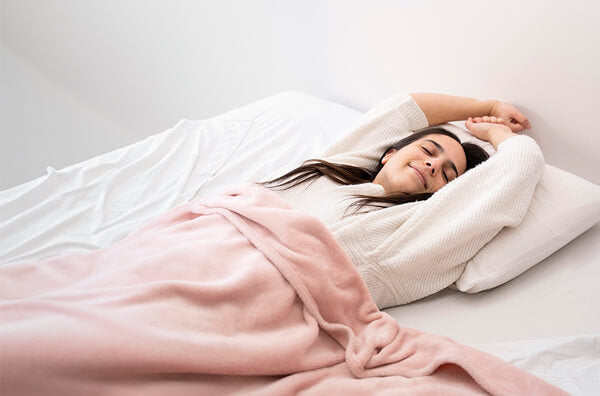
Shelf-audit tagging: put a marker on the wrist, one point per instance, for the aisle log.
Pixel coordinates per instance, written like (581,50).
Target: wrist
(490,106)
(498,134)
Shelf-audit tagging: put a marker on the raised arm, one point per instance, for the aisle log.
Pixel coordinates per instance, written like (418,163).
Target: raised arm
(442,108)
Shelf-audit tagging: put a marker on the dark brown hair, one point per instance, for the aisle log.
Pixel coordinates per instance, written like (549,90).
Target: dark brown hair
(349,174)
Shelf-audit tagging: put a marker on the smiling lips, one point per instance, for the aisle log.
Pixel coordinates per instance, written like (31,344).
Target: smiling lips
(418,172)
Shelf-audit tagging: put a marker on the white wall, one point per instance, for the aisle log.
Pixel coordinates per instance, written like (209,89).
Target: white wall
(42,124)
(83,77)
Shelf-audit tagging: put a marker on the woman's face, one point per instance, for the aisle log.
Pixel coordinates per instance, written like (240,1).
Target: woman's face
(423,166)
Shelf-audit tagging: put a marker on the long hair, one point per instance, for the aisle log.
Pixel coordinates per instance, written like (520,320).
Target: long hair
(349,174)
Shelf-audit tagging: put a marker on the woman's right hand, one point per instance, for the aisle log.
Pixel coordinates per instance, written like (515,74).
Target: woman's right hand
(491,129)
(511,116)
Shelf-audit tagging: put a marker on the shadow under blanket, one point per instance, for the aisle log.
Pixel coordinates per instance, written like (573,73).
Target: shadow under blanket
(234,293)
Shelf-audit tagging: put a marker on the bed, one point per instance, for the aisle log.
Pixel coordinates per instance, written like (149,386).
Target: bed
(546,321)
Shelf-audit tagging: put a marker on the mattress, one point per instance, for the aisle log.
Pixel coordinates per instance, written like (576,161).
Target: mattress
(546,321)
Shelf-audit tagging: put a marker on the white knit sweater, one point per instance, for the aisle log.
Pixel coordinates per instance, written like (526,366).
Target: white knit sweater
(407,252)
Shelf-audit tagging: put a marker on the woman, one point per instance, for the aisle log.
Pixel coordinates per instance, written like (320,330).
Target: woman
(237,294)
(407,242)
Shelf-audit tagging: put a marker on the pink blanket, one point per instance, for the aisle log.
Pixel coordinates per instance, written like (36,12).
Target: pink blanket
(231,294)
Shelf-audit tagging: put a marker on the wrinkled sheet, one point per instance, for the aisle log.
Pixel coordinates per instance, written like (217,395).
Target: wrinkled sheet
(92,204)
(97,202)
(571,363)
(235,293)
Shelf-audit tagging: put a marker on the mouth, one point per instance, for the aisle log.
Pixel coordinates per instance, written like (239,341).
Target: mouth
(418,172)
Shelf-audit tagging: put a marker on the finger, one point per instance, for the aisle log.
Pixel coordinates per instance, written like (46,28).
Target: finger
(516,127)
(470,121)
(521,119)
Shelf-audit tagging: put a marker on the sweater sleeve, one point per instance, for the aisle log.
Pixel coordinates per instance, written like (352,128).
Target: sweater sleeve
(418,251)
(382,126)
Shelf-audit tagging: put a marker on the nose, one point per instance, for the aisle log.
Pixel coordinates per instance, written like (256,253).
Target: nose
(434,165)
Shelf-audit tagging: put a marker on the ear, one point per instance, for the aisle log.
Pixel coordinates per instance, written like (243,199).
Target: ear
(387,155)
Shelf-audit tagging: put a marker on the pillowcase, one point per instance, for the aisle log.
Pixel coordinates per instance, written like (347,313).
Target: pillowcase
(563,206)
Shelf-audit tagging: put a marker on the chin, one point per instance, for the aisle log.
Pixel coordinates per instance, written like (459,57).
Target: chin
(402,189)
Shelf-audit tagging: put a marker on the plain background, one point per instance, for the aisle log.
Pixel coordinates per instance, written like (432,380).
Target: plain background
(80,78)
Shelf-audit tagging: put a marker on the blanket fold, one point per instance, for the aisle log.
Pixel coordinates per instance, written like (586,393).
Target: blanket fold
(235,293)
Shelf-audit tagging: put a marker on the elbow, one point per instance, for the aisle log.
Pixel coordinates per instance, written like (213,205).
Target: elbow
(526,153)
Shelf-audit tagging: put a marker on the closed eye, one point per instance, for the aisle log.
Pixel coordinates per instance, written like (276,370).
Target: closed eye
(427,151)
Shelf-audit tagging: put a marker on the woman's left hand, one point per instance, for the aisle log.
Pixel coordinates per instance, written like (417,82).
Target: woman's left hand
(511,116)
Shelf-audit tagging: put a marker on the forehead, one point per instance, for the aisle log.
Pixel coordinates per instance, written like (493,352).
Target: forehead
(452,149)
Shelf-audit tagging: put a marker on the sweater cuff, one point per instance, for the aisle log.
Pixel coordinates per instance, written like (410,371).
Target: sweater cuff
(401,105)
(415,116)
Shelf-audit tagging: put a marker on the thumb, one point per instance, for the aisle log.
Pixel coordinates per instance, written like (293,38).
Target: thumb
(470,125)
(521,119)
(515,126)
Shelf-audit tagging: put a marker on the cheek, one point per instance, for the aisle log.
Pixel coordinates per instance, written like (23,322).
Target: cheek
(398,164)
(436,186)
(439,183)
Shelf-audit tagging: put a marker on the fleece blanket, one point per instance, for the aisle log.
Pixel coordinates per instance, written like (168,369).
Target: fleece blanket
(235,293)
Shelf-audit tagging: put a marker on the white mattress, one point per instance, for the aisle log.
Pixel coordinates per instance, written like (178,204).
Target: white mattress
(549,313)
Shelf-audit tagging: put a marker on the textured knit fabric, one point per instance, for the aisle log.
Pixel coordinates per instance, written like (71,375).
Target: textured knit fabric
(407,252)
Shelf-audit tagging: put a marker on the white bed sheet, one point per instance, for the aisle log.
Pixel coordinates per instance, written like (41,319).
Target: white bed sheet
(571,363)
(92,204)
(97,202)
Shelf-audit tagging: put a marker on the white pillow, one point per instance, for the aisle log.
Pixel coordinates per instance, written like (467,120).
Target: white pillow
(563,206)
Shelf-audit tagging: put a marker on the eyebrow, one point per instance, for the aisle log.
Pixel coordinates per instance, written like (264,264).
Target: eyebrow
(439,147)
